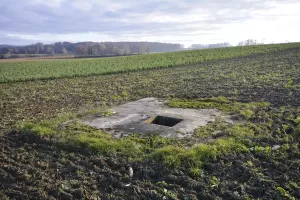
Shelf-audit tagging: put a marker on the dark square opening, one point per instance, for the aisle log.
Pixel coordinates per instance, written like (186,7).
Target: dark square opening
(166,121)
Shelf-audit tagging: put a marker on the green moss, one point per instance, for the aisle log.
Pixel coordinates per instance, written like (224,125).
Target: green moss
(249,163)
(175,157)
(221,103)
(268,151)
(211,129)
(289,84)
(218,102)
(170,152)
(226,146)
(297,121)
(89,112)
(37,129)
(105,144)
(295,185)
(108,113)
(283,193)
(240,131)
(171,156)
(195,172)
(50,127)
(297,131)
(259,149)
(247,114)
(214,181)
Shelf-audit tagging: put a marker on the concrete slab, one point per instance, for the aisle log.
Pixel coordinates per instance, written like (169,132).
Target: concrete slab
(137,117)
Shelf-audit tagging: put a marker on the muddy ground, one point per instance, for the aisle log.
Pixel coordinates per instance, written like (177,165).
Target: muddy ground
(37,168)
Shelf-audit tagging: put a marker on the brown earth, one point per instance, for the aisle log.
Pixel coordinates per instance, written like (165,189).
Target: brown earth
(36,58)
(36,168)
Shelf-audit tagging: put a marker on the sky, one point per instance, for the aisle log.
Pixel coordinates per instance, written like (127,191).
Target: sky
(173,21)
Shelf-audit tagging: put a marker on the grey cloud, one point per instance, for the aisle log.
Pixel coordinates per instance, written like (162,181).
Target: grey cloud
(4,39)
(21,17)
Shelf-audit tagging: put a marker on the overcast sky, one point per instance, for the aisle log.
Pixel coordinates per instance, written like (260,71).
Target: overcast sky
(177,21)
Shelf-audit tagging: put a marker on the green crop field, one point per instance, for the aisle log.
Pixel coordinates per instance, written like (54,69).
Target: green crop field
(256,157)
(49,69)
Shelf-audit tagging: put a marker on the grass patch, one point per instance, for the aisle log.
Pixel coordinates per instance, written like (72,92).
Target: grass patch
(171,152)
(103,143)
(240,131)
(221,103)
(247,114)
(213,129)
(238,138)
(297,121)
(220,128)
(175,157)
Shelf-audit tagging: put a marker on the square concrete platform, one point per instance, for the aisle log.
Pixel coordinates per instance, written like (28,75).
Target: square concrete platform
(152,116)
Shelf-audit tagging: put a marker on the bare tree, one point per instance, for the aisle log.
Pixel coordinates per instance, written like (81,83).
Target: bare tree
(116,51)
(16,52)
(90,50)
(81,50)
(148,50)
(126,49)
(9,52)
(142,48)
(248,42)
(39,47)
(121,52)
(95,49)
(50,50)
(64,51)
(102,49)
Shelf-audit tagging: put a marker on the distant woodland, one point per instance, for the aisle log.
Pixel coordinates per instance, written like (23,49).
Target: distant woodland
(86,49)
(103,49)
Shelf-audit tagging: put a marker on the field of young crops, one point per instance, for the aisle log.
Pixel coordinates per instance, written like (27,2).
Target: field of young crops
(49,69)
(257,157)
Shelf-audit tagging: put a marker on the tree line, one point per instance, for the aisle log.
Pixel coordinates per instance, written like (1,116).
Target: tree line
(87,49)
(102,49)
(209,46)
(247,42)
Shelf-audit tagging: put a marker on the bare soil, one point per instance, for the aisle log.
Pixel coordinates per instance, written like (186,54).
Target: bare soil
(35,168)
(36,58)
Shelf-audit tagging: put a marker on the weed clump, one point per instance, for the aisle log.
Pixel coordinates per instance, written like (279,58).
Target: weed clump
(208,103)
(222,103)
(240,131)
(297,121)
(284,194)
(247,114)
(103,143)
(154,148)
(175,157)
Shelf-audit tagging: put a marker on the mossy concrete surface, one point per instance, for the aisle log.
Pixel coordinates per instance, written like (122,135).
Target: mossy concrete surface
(137,117)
